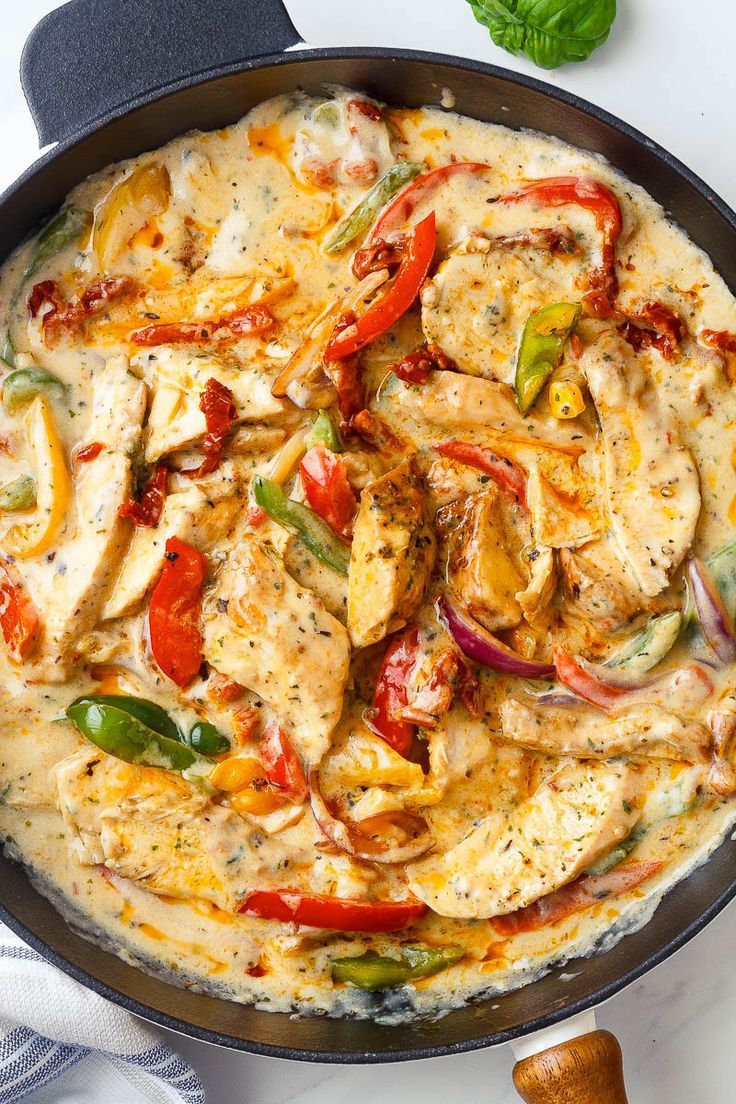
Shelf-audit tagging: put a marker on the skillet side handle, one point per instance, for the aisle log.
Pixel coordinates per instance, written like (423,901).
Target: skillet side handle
(585,1070)
(92,59)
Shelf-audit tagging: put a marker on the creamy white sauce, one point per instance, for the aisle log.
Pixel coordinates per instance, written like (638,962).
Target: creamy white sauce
(247,204)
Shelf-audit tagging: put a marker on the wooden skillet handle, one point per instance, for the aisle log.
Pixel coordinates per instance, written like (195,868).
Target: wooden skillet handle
(585,1070)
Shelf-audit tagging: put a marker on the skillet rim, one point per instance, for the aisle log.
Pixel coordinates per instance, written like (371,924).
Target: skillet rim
(666,949)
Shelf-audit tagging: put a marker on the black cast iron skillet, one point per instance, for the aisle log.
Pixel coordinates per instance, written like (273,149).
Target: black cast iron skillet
(107,79)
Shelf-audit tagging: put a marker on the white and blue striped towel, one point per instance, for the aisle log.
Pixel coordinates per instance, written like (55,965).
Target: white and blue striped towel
(62,1044)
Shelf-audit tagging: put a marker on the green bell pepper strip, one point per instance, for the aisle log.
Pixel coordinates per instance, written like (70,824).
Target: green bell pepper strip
(650,647)
(23,384)
(18,495)
(8,352)
(206,738)
(358,220)
(147,712)
(722,567)
(541,348)
(203,736)
(62,229)
(119,733)
(374,972)
(324,432)
(618,853)
(302,522)
(327,115)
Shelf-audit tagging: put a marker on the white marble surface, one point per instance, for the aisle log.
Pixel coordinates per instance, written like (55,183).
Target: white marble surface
(668,69)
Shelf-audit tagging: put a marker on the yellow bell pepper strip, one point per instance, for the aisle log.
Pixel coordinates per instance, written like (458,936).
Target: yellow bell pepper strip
(128,206)
(53,486)
(358,220)
(541,348)
(244,779)
(18,495)
(396,301)
(374,972)
(302,522)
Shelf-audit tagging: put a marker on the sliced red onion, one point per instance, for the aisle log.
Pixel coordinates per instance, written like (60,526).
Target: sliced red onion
(482,647)
(556,697)
(360,845)
(712,614)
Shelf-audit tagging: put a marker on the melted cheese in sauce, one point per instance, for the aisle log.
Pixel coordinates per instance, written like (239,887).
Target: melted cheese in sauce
(147,862)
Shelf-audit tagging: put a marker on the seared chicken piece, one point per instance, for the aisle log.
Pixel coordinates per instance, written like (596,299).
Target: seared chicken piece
(155,828)
(559,519)
(206,507)
(509,860)
(481,569)
(268,633)
(457,744)
(468,404)
(392,556)
(652,486)
(145,555)
(540,589)
(86,564)
(476,304)
(178,377)
(642,730)
(599,586)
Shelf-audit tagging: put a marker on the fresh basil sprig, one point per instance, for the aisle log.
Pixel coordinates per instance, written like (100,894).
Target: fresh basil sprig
(549,32)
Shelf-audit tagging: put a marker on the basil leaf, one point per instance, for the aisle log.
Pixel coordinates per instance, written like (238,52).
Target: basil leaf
(549,32)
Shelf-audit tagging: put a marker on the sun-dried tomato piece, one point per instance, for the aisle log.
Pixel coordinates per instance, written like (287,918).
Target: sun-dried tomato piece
(416,366)
(216,403)
(147,509)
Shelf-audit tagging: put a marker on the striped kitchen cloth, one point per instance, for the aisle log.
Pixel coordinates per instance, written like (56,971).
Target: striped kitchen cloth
(62,1044)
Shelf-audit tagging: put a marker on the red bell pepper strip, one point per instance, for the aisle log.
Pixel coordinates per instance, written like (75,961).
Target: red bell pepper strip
(391,691)
(148,508)
(18,618)
(325,482)
(334,913)
(573,675)
(403,205)
(281,763)
(587,891)
(507,475)
(593,196)
(403,290)
(174,612)
(87,453)
(216,403)
(244,322)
